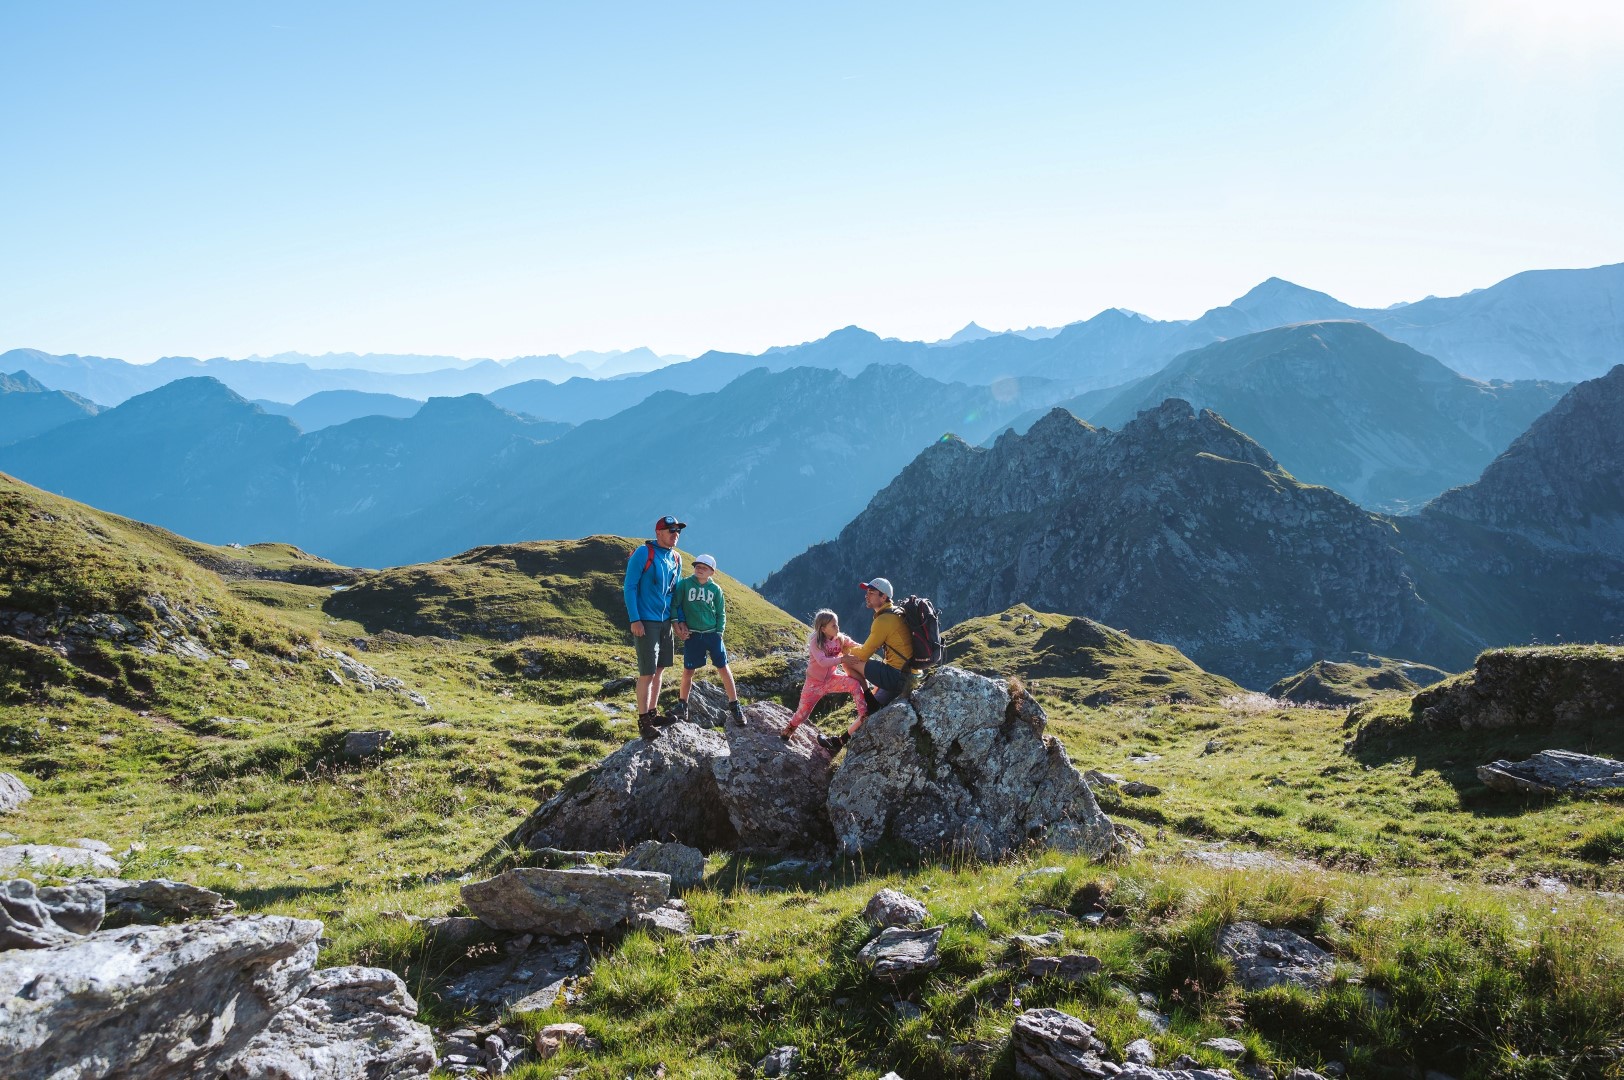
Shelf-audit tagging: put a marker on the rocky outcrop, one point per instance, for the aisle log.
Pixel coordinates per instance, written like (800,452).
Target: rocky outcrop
(1557,686)
(584,900)
(1553,772)
(231,997)
(776,792)
(1048,1044)
(664,790)
(350,1022)
(960,765)
(528,979)
(685,866)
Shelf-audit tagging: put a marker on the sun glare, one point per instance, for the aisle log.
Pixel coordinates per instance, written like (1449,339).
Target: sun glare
(1542,29)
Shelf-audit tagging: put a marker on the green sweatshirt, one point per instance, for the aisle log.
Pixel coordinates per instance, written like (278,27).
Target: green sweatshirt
(701,608)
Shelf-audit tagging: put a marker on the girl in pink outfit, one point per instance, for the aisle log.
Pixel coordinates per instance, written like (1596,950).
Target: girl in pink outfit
(824,675)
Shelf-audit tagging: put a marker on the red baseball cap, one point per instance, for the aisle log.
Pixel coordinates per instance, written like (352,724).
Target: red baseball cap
(670,524)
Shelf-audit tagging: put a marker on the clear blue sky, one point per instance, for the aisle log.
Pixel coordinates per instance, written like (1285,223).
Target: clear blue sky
(496,179)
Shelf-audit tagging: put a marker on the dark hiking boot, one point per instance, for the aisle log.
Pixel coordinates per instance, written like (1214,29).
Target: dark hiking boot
(679,712)
(738,712)
(646,727)
(833,743)
(868,700)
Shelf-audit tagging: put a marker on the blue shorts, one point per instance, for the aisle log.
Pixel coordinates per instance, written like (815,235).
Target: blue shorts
(700,644)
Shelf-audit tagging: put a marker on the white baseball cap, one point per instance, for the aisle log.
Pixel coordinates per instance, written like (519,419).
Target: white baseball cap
(878,584)
(705,560)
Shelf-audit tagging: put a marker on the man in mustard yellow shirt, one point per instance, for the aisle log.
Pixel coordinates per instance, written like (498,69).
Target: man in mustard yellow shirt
(891,677)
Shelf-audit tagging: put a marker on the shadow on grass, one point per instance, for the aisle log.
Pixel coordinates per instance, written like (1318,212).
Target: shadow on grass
(259,897)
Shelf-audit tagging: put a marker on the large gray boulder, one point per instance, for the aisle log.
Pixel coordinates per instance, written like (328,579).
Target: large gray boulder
(1552,772)
(660,790)
(684,865)
(32,917)
(582,900)
(161,896)
(13,793)
(351,1022)
(776,792)
(962,766)
(150,1002)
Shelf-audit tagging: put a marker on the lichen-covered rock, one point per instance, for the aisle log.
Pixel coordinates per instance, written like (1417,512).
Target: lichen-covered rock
(776,793)
(897,952)
(351,1023)
(1265,957)
(1551,772)
(660,790)
(683,864)
(1544,687)
(958,765)
(154,1002)
(583,900)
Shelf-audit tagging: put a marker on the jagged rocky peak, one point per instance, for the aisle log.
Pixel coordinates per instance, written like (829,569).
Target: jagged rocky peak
(1562,481)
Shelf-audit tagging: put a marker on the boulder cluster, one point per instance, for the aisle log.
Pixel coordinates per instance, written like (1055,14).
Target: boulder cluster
(960,765)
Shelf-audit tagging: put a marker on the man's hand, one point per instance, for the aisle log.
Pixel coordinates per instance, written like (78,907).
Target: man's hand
(637,628)
(682,631)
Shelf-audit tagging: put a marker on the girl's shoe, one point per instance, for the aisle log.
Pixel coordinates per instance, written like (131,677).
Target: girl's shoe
(833,743)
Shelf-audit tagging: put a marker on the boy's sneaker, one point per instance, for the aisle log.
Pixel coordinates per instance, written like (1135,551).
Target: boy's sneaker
(737,710)
(646,726)
(833,743)
(679,712)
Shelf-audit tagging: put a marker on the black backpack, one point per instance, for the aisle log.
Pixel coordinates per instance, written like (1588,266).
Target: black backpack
(925,627)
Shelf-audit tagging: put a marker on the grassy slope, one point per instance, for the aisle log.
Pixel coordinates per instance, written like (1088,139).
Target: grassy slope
(1330,682)
(1419,874)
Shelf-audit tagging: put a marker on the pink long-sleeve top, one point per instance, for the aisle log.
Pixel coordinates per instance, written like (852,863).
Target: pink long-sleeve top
(822,660)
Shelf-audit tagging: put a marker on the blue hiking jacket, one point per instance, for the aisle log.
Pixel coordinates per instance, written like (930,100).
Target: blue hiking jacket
(648,594)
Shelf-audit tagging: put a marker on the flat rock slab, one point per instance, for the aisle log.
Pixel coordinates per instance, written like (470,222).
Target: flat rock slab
(350,1022)
(1553,772)
(36,917)
(1073,967)
(528,982)
(1265,957)
(582,900)
(175,898)
(57,857)
(663,922)
(961,766)
(1051,1045)
(150,1001)
(897,953)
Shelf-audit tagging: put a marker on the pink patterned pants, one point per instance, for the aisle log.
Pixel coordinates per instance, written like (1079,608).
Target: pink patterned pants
(816,692)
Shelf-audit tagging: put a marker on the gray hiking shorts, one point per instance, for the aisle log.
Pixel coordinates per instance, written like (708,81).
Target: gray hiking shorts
(657,648)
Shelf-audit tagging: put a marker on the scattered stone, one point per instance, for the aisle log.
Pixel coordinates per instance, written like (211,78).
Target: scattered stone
(1265,957)
(161,896)
(776,793)
(684,865)
(795,868)
(349,1022)
(1140,789)
(664,790)
(979,921)
(888,907)
(554,1037)
(1051,1045)
(961,765)
(701,942)
(907,1011)
(13,793)
(526,982)
(781,1061)
(1158,1022)
(1233,1049)
(897,953)
(51,856)
(1073,967)
(584,900)
(665,921)
(1224,858)
(1139,1052)
(1040,872)
(1098,779)
(1037,942)
(455,930)
(238,664)
(365,744)
(1304,1074)
(617,686)
(1144,759)
(1552,772)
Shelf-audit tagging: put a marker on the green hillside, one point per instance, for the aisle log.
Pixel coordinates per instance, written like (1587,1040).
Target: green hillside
(1488,921)
(1329,682)
(1080,660)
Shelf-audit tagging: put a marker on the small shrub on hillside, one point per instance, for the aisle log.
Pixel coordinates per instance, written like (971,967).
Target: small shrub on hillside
(1321,822)
(1603,844)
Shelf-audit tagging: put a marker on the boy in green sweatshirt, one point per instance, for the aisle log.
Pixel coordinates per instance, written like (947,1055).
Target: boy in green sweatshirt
(700,610)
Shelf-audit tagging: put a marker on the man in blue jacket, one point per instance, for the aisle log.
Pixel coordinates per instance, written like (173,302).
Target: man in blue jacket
(651,579)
